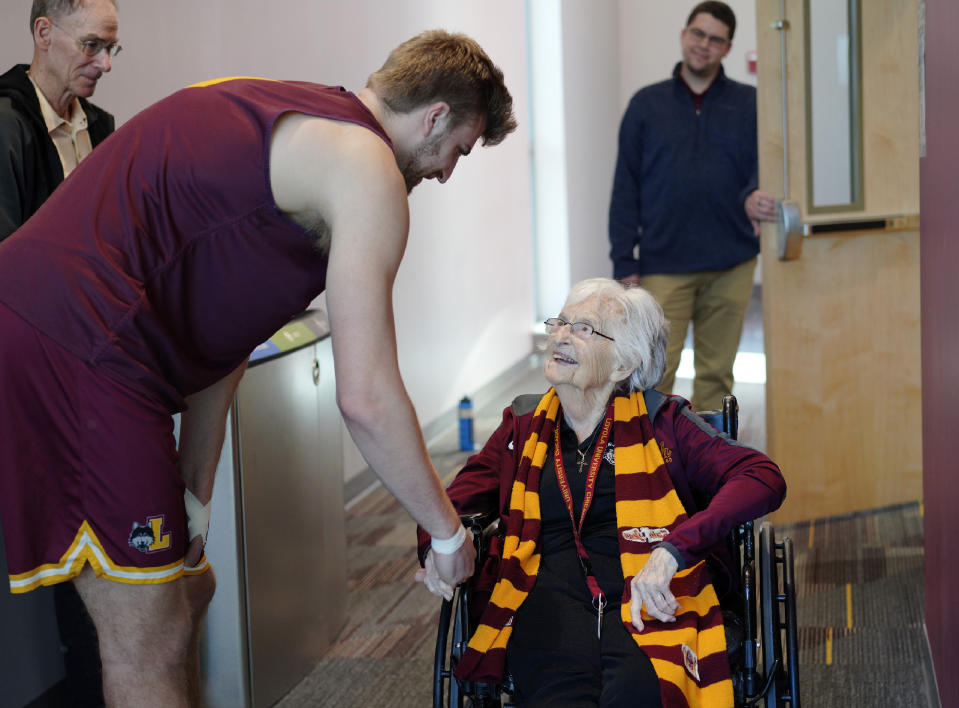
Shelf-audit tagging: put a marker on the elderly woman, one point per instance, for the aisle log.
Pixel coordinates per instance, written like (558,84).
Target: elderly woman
(611,496)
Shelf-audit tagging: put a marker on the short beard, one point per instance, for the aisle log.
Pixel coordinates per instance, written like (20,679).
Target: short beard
(411,164)
(703,73)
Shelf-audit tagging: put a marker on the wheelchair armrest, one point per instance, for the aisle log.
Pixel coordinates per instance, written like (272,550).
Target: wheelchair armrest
(478,521)
(483,525)
(731,416)
(713,417)
(727,419)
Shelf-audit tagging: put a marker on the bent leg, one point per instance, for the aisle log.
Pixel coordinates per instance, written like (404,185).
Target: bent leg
(676,293)
(717,328)
(629,679)
(81,652)
(553,653)
(199,591)
(94,476)
(147,635)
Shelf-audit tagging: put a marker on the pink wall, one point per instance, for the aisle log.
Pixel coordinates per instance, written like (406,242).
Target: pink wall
(939,263)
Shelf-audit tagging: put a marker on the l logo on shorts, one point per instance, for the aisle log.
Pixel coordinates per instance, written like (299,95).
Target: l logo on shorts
(149,537)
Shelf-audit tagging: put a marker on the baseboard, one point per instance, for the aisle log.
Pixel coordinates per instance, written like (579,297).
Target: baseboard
(358,486)
(500,391)
(932,686)
(849,515)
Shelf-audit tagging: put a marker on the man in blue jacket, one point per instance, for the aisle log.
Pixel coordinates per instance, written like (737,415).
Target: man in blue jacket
(685,192)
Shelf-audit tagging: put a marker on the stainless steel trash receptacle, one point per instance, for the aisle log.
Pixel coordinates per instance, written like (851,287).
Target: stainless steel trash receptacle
(277,537)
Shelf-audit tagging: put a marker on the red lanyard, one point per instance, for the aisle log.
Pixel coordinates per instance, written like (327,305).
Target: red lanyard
(599,599)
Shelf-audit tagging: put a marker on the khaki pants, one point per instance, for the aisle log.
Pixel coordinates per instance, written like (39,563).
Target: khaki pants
(715,301)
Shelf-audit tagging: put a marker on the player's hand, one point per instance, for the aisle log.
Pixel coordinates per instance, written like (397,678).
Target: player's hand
(429,577)
(631,280)
(453,568)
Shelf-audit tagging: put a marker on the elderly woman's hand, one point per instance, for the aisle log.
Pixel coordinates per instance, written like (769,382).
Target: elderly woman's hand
(650,587)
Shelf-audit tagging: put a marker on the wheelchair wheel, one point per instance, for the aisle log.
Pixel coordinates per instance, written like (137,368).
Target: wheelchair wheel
(454,631)
(451,638)
(446,689)
(792,640)
(777,596)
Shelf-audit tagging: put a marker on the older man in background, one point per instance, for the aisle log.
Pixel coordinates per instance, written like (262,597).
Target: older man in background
(47,125)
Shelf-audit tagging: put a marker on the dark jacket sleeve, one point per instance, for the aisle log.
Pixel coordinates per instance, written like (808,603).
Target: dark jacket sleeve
(483,482)
(721,482)
(100,123)
(750,153)
(625,206)
(12,177)
(30,167)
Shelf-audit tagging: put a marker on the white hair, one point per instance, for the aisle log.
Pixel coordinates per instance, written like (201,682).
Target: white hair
(55,9)
(636,323)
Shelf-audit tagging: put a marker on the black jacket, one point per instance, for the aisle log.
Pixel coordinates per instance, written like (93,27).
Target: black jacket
(30,167)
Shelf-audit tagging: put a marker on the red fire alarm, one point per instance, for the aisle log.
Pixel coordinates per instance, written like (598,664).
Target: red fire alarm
(751,61)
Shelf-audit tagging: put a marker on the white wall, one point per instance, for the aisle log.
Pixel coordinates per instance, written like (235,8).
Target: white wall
(550,183)
(464,294)
(649,41)
(575,80)
(592,118)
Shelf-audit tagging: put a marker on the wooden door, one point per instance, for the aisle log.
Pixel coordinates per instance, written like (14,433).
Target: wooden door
(841,322)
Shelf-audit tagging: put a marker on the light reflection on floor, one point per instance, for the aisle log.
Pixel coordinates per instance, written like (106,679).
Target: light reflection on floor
(750,367)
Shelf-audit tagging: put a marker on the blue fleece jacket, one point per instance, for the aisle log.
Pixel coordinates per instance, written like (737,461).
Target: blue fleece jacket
(682,178)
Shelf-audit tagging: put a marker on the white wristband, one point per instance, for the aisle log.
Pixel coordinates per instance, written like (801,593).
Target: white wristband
(197,516)
(446,546)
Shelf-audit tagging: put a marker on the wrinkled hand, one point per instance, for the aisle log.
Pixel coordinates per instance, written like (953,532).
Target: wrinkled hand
(443,572)
(650,587)
(760,207)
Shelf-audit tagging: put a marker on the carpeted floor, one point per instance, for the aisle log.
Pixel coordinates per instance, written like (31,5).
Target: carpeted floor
(384,655)
(860,610)
(859,588)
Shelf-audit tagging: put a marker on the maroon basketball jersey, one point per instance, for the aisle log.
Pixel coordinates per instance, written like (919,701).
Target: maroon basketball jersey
(163,260)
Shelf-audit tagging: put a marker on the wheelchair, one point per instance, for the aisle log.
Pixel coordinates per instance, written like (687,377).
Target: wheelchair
(764,658)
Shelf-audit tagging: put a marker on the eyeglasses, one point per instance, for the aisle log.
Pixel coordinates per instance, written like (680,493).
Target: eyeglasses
(580,329)
(92,47)
(715,40)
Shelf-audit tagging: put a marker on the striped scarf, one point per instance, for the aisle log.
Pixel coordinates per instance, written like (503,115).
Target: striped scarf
(688,655)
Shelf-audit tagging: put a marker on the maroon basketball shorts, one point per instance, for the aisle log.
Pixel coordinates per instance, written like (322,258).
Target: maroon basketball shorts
(88,470)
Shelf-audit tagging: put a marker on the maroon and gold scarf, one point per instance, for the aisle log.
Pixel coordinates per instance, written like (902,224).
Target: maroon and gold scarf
(688,655)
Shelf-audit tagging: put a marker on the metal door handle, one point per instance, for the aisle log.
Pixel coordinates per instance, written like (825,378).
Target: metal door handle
(790,229)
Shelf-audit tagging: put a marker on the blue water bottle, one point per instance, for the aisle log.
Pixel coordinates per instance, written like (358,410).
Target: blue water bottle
(466,424)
